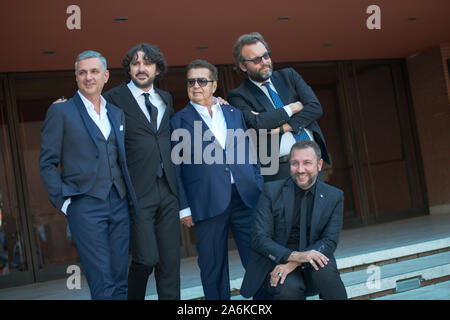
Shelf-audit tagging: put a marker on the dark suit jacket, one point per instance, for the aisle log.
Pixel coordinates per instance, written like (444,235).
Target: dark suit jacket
(142,142)
(68,139)
(291,88)
(273,222)
(206,188)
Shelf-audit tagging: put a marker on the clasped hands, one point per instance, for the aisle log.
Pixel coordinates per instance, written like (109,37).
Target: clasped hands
(281,271)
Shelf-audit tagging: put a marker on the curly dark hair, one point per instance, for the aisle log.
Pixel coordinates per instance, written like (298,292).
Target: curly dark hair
(151,53)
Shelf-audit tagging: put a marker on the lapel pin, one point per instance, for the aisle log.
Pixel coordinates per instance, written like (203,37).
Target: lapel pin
(321,195)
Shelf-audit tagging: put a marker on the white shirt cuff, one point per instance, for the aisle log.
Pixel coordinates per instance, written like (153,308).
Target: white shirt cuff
(65,206)
(288,110)
(185,213)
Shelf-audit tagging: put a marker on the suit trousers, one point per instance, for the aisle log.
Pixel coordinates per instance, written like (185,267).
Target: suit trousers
(155,244)
(212,246)
(302,283)
(101,232)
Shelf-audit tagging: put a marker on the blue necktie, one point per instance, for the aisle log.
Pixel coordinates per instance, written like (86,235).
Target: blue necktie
(279,104)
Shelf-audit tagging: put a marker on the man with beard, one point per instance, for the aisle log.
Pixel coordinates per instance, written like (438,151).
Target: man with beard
(295,233)
(155,235)
(278,101)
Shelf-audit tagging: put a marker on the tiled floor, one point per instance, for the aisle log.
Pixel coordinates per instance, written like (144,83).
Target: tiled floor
(352,242)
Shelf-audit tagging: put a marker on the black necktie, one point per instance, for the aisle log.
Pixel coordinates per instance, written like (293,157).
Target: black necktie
(153,118)
(303,222)
(152,110)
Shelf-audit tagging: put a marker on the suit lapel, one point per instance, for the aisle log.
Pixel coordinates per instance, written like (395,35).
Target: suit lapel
(283,92)
(119,133)
(169,108)
(318,207)
(263,100)
(116,127)
(85,116)
(190,115)
(231,124)
(130,105)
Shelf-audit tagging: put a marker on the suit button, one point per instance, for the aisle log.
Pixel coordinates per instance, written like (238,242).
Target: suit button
(96,157)
(227,169)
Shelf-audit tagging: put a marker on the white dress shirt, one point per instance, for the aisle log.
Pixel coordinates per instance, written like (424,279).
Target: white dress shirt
(102,122)
(287,139)
(154,97)
(218,127)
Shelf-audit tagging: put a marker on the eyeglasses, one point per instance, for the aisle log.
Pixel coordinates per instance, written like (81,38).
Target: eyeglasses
(258,60)
(202,82)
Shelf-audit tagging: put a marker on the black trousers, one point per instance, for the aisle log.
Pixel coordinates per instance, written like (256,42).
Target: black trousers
(302,283)
(155,244)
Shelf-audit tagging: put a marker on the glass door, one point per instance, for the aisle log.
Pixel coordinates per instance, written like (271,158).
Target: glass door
(50,237)
(15,266)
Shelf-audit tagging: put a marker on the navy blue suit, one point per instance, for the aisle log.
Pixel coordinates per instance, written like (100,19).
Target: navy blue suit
(100,227)
(291,88)
(216,204)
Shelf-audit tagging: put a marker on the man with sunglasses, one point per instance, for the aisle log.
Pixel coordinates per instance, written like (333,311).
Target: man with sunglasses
(277,101)
(218,188)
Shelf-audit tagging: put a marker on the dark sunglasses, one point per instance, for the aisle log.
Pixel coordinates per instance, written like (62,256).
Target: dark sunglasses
(258,60)
(202,82)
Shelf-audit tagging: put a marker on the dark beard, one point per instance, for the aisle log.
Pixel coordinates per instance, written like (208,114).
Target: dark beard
(311,180)
(144,85)
(257,76)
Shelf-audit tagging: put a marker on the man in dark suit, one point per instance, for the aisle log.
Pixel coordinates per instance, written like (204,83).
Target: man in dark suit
(277,101)
(85,137)
(295,234)
(218,177)
(155,235)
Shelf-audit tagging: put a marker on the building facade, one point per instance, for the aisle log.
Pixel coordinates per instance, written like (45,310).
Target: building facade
(386,123)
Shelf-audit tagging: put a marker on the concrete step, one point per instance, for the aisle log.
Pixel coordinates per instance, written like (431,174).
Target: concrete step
(439,291)
(430,261)
(380,280)
(392,255)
